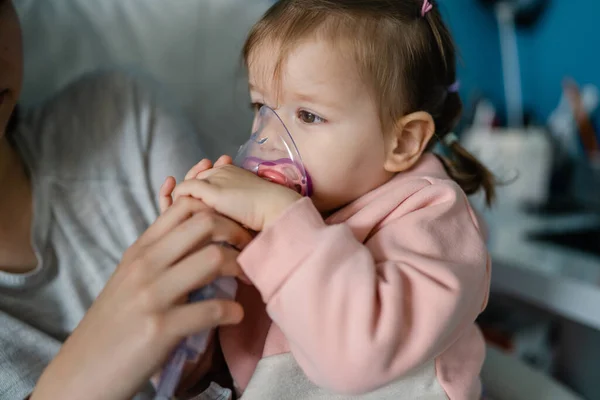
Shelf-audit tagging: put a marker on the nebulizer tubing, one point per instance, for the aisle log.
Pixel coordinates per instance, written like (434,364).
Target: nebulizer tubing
(191,348)
(271,153)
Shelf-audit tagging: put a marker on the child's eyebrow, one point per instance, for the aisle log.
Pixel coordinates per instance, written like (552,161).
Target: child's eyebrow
(313,98)
(316,99)
(308,97)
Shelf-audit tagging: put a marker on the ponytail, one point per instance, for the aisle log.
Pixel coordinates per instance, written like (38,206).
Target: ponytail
(470,174)
(443,102)
(462,166)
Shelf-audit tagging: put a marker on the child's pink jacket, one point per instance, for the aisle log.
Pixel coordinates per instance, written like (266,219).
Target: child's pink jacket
(385,290)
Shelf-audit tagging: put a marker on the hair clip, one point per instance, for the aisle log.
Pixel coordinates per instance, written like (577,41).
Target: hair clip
(427,6)
(454,88)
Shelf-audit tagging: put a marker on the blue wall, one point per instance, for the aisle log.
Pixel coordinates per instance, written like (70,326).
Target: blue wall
(475,31)
(566,42)
(563,43)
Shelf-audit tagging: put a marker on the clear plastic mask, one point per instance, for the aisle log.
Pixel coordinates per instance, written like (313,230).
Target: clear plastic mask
(272,154)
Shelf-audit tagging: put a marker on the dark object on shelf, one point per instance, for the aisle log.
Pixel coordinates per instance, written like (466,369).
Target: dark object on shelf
(521,332)
(528,11)
(586,240)
(556,207)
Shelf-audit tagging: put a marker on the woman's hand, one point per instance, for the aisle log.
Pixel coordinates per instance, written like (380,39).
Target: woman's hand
(141,314)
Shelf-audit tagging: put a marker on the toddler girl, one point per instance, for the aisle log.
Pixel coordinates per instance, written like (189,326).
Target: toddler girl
(378,276)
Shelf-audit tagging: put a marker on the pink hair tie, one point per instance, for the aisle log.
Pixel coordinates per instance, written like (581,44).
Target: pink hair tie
(427,6)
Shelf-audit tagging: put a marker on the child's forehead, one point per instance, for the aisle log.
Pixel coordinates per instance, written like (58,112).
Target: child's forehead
(309,65)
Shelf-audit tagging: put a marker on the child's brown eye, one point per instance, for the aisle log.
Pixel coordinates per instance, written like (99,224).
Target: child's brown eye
(309,118)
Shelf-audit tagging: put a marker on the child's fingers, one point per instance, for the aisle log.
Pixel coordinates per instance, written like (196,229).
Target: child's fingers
(165,200)
(224,160)
(198,168)
(167,187)
(164,204)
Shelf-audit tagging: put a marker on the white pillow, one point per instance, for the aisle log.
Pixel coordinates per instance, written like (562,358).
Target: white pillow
(191,46)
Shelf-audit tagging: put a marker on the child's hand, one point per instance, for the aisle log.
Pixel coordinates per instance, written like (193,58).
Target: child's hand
(239,195)
(165,198)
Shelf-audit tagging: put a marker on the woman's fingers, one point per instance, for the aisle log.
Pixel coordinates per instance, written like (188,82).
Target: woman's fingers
(189,319)
(202,166)
(188,236)
(194,272)
(201,229)
(165,200)
(178,213)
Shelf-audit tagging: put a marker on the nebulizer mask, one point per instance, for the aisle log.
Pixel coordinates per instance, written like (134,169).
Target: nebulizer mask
(270,153)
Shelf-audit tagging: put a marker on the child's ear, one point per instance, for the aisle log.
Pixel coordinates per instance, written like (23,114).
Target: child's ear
(408,140)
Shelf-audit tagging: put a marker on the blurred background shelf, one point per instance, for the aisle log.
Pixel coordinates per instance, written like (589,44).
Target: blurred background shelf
(550,271)
(569,298)
(546,264)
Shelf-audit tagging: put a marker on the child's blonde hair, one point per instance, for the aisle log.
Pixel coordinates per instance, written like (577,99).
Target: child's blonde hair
(407,57)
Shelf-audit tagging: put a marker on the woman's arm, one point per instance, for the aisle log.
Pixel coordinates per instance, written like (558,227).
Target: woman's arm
(116,127)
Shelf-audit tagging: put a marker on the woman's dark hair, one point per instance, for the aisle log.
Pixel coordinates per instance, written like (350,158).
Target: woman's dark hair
(409,60)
